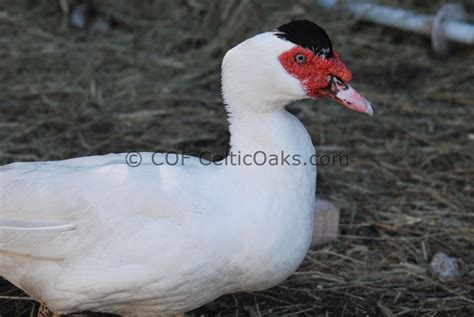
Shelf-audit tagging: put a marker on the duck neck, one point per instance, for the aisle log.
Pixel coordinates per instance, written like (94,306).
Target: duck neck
(274,131)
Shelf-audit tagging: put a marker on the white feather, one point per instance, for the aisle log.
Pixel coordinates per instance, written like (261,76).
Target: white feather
(94,234)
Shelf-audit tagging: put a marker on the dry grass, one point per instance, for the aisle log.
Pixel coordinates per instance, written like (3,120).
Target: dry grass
(153,84)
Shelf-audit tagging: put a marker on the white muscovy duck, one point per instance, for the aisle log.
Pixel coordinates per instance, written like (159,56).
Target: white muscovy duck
(93,234)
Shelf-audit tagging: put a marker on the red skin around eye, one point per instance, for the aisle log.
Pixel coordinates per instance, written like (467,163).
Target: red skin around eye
(315,73)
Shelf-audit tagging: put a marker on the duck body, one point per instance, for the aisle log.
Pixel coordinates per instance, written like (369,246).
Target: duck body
(157,239)
(95,234)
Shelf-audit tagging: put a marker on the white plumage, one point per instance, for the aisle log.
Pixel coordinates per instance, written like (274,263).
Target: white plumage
(94,234)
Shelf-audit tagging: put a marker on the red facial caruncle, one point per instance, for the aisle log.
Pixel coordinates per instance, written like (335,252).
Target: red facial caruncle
(312,70)
(321,76)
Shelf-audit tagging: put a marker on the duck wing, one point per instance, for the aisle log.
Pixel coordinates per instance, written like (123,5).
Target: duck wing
(50,209)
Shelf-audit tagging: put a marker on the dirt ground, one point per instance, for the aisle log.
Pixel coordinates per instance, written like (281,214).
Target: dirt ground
(152,83)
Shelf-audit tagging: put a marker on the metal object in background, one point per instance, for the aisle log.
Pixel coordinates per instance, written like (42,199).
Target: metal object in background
(445,27)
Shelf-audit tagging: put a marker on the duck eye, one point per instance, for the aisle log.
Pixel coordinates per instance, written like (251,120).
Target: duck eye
(300,58)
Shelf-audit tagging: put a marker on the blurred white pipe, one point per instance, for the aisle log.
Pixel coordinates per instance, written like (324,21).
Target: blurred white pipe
(447,25)
(459,32)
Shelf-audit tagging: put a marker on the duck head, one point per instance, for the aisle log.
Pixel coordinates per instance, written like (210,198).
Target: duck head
(295,61)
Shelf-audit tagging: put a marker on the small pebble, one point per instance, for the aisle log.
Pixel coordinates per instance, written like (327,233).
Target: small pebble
(78,17)
(444,267)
